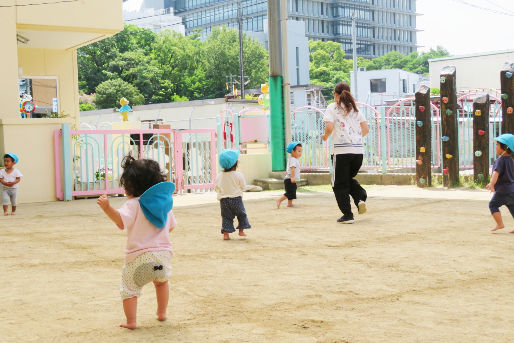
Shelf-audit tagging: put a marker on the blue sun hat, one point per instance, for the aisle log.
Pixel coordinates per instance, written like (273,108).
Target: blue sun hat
(291,146)
(507,139)
(156,202)
(13,156)
(228,158)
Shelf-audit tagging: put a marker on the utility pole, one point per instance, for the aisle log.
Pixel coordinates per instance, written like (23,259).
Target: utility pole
(241,66)
(354,53)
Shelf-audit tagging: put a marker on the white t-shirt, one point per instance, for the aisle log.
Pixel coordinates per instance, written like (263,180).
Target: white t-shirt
(293,162)
(10,177)
(347,135)
(230,185)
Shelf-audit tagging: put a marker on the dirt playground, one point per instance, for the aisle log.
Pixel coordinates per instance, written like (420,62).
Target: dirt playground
(420,266)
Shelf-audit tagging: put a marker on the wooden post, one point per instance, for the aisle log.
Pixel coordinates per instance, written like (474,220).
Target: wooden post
(481,139)
(423,138)
(507,89)
(449,127)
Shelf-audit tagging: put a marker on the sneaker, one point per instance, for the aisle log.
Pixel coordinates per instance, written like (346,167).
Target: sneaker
(345,220)
(362,207)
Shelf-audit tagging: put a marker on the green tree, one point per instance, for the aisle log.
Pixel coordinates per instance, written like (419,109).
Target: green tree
(109,93)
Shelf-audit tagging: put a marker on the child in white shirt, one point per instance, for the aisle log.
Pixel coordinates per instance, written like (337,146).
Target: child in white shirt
(292,173)
(9,178)
(230,185)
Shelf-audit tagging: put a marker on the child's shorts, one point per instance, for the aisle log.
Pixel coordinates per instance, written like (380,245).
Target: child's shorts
(499,200)
(147,267)
(230,208)
(9,194)
(290,189)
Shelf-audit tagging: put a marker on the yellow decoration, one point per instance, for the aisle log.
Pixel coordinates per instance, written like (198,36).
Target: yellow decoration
(448,156)
(478,113)
(124,109)
(264,88)
(422,149)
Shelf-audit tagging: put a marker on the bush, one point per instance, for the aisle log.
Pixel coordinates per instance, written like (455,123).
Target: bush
(87,107)
(435,91)
(109,93)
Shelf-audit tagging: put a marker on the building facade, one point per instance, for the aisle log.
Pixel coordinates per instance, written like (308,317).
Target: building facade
(155,15)
(382,25)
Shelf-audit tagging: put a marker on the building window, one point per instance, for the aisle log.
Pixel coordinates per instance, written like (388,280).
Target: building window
(404,85)
(297,65)
(377,85)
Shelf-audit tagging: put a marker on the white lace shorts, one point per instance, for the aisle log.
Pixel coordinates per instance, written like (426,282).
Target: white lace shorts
(147,267)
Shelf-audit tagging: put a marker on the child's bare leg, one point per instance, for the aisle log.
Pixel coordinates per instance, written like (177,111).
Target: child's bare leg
(6,208)
(279,201)
(242,232)
(130,308)
(13,210)
(162,292)
(289,203)
(499,222)
(226,237)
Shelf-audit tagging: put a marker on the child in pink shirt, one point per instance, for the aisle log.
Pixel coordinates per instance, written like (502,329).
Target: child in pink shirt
(148,220)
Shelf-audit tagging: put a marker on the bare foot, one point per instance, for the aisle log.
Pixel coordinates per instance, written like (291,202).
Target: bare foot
(161,317)
(290,205)
(130,326)
(6,213)
(278,203)
(13,213)
(226,237)
(498,227)
(242,233)
(511,231)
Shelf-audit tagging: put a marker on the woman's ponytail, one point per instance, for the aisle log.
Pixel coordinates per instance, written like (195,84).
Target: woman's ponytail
(346,99)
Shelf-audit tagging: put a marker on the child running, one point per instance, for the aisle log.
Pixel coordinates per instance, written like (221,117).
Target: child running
(9,178)
(148,220)
(292,173)
(502,179)
(230,185)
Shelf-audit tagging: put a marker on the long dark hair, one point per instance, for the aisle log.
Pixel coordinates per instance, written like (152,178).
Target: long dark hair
(139,175)
(345,97)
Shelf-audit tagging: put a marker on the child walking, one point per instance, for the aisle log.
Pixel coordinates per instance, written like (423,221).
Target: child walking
(230,185)
(292,173)
(9,178)
(148,220)
(502,179)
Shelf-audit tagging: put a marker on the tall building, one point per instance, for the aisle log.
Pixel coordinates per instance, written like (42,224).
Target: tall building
(156,15)
(382,25)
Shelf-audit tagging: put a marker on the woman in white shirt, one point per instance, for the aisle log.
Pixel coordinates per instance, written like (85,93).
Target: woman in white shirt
(348,127)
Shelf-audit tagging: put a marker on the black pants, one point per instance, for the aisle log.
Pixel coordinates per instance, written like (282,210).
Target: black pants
(345,168)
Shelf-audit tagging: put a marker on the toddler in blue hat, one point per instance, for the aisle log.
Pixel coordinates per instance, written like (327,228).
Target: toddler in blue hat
(148,220)
(230,186)
(502,179)
(9,178)
(292,173)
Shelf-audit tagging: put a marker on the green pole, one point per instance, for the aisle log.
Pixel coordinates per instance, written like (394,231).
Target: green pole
(278,149)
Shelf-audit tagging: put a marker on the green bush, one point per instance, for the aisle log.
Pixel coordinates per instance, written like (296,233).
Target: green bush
(86,107)
(109,93)
(435,91)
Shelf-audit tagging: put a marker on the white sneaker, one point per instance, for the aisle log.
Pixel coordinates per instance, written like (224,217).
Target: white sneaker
(362,207)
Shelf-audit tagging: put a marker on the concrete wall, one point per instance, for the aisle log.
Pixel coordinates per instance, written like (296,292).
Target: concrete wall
(254,166)
(480,71)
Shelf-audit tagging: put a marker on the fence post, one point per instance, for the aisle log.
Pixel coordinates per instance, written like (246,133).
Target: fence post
(383,141)
(507,89)
(481,139)
(237,126)
(66,158)
(423,137)
(219,133)
(449,127)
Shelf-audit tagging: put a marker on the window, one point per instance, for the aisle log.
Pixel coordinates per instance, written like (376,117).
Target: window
(404,85)
(297,65)
(377,85)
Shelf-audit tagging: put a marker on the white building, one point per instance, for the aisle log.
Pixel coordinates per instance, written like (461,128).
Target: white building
(474,72)
(155,15)
(374,87)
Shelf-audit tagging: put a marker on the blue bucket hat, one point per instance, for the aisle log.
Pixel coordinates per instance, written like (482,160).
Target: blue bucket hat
(291,146)
(156,202)
(228,158)
(507,139)
(13,156)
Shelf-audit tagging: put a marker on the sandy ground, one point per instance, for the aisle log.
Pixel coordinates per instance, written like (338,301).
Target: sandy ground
(420,266)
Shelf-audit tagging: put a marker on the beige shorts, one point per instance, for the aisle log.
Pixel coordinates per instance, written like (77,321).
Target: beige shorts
(147,267)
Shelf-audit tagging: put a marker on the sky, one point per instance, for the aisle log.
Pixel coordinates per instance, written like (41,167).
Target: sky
(463,29)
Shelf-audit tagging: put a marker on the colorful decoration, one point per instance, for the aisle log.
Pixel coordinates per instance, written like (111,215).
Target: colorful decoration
(508,74)
(510,110)
(448,156)
(264,97)
(443,79)
(422,108)
(481,132)
(505,96)
(419,123)
(419,162)
(445,171)
(27,106)
(445,138)
(422,180)
(478,113)
(422,149)
(478,153)
(124,109)
(445,99)
(449,112)
(481,176)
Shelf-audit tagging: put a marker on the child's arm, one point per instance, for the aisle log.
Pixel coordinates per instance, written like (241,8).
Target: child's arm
(292,174)
(10,184)
(114,215)
(494,179)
